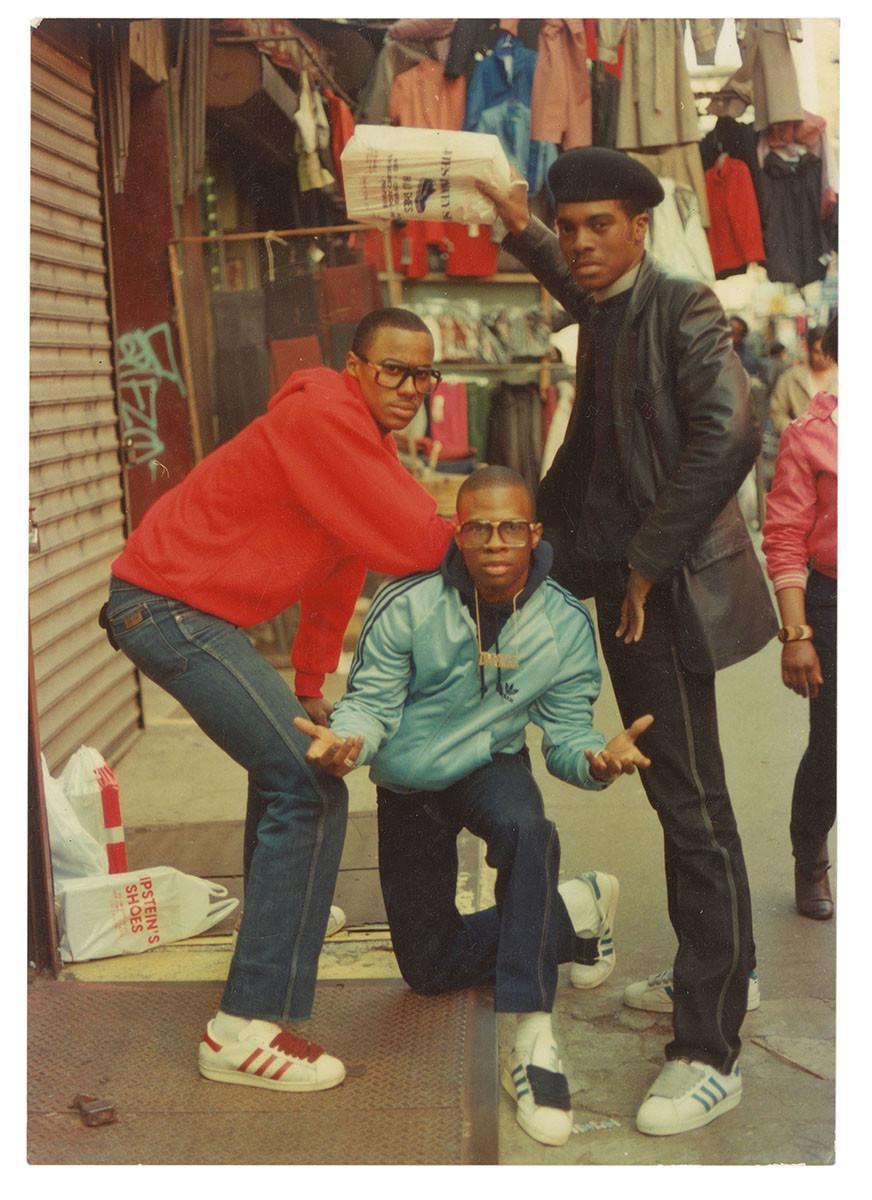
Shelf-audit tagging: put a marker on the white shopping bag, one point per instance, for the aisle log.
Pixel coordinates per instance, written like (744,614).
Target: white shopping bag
(74,852)
(135,911)
(92,789)
(395,173)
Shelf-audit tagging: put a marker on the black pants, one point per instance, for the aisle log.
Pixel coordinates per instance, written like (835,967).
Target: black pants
(515,945)
(813,810)
(706,881)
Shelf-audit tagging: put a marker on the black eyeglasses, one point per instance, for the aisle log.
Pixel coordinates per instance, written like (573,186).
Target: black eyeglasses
(474,534)
(394,375)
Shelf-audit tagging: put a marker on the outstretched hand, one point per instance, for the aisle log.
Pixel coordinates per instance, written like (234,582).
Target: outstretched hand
(512,205)
(331,753)
(621,756)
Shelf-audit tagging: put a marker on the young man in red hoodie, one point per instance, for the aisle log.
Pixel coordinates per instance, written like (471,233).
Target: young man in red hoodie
(296,507)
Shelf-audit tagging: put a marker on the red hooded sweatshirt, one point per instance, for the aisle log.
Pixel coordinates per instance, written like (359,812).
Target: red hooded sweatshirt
(296,507)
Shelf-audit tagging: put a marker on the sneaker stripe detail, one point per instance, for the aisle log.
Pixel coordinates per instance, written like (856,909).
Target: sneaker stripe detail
(711,1095)
(707,1107)
(711,1079)
(266,1062)
(255,1054)
(280,1072)
(211,1043)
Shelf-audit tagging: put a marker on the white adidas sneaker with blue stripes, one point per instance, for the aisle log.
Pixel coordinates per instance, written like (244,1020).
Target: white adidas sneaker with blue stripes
(654,994)
(600,937)
(687,1094)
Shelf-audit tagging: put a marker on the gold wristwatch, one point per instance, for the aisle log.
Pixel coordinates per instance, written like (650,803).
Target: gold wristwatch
(795,633)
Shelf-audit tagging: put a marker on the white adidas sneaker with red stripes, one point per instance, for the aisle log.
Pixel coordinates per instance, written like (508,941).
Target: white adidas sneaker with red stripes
(268,1057)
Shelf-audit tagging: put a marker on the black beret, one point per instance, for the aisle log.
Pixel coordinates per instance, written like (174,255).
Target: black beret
(595,173)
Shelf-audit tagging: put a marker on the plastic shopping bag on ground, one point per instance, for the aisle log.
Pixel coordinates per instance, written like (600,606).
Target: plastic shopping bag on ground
(92,789)
(74,852)
(135,911)
(399,174)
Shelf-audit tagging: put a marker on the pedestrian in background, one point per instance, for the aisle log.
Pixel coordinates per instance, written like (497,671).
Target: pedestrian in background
(796,386)
(747,357)
(800,545)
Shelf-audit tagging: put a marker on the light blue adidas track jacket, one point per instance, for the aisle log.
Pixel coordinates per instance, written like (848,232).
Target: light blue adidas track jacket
(427,714)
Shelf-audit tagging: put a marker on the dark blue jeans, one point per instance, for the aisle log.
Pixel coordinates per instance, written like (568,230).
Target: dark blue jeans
(296,818)
(515,945)
(706,880)
(813,809)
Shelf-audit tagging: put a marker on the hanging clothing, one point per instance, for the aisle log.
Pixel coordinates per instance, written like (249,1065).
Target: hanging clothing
(424,98)
(656,105)
(684,165)
(394,58)
(605,91)
(561,101)
(435,32)
(735,234)
(341,128)
(477,35)
(556,432)
(797,248)
(349,293)
(515,430)
(768,63)
(791,138)
(478,395)
(448,417)
(311,138)
(737,139)
(471,250)
(677,238)
(498,98)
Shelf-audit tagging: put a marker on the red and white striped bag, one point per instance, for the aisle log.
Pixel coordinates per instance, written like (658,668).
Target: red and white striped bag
(90,785)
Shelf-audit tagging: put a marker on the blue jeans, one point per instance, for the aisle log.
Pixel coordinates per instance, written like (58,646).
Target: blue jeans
(516,945)
(296,817)
(813,808)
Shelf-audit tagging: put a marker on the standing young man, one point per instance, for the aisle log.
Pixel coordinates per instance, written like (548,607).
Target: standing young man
(640,505)
(450,669)
(296,507)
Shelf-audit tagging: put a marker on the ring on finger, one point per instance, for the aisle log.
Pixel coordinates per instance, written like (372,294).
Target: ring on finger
(350,762)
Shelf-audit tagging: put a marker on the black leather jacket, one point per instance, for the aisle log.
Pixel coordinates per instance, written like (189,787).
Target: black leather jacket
(687,434)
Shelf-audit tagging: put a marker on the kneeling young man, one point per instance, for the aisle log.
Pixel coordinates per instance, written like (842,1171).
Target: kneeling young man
(450,668)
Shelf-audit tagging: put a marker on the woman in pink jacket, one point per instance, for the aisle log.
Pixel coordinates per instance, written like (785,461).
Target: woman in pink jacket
(799,541)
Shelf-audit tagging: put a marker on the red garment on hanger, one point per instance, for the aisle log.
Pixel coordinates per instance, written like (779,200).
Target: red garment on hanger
(560,102)
(341,128)
(448,417)
(735,234)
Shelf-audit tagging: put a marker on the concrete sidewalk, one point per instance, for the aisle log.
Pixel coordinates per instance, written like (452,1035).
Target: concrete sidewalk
(611,1053)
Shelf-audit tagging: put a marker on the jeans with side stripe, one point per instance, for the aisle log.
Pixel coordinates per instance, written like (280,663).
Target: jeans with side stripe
(296,817)
(706,881)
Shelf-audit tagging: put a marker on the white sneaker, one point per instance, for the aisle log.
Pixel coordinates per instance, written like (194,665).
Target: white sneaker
(687,1094)
(268,1057)
(654,994)
(605,890)
(335,922)
(544,1108)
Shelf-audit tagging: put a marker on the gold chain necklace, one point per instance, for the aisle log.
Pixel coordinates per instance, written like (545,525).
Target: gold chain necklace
(505,661)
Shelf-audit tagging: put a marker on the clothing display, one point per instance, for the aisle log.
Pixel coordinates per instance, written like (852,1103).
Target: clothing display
(447,410)
(424,98)
(471,250)
(768,63)
(561,99)
(735,234)
(515,430)
(241,368)
(395,57)
(312,138)
(656,105)
(498,99)
(678,240)
(341,128)
(797,248)
(477,35)
(684,165)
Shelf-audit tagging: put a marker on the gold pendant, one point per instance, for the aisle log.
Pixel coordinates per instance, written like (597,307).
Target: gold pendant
(506,661)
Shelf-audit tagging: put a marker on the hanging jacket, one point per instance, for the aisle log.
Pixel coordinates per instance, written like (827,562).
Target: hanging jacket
(797,247)
(498,99)
(296,507)
(415,686)
(561,101)
(735,235)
